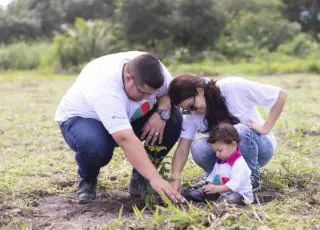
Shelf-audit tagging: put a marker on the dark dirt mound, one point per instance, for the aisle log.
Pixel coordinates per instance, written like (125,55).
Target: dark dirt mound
(65,213)
(59,212)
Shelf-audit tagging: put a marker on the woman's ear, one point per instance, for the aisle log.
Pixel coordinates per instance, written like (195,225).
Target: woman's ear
(127,77)
(200,91)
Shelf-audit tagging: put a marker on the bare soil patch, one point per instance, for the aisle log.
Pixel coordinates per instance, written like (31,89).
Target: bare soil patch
(62,212)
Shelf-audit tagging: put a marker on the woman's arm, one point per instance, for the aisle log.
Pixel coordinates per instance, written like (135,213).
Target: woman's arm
(179,160)
(273,115)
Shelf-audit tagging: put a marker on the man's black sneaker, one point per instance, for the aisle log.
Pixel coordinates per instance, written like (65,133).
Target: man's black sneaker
(138,186)
(87,191)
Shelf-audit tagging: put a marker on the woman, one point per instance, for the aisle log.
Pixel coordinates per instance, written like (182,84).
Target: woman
(207,103)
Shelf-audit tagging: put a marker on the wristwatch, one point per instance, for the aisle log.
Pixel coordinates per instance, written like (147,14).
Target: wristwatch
(164,114)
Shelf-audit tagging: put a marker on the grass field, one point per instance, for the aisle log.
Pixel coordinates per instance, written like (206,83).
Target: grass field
(38,176)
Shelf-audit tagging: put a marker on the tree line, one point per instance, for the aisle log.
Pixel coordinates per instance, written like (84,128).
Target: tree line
(82,29)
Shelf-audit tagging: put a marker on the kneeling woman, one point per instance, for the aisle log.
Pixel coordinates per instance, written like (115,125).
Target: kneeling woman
(206,103)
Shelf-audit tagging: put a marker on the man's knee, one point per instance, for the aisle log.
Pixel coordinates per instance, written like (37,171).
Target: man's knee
(96,149)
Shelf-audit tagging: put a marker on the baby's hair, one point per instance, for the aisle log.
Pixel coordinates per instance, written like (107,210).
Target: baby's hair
(225,133)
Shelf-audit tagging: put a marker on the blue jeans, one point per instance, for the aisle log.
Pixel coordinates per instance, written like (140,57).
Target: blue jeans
(256,149)
(94,145)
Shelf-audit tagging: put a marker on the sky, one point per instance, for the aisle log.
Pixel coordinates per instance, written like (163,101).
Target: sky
(4,3)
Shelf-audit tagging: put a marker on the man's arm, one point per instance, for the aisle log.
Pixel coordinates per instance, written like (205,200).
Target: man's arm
(135,152)
(154,127)
(138,157)
(164,102)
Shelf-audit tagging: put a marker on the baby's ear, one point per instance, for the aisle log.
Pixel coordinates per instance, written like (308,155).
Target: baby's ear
(234,144)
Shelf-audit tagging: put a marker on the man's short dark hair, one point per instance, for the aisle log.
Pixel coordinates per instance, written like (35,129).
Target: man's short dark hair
(224,133)
(147,70)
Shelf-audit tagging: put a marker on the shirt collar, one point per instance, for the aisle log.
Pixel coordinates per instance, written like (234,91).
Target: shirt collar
(232,159)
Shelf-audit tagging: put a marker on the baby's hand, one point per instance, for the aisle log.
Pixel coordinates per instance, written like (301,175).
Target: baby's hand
(210,188)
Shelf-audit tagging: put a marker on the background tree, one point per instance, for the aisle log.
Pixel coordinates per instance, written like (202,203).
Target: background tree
(12,28)
(305,12)
(253,25)
(84,41)
(146,22)
(197,24)
(48,13)
(88,9)
(41,18)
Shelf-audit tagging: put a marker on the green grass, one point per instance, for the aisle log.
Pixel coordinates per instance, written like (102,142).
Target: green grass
(35,162)
(271,64)
(43,55)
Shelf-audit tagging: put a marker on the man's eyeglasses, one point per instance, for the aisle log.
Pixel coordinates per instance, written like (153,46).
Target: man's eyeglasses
(139,88)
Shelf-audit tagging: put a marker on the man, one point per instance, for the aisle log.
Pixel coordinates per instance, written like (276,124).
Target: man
(120,100)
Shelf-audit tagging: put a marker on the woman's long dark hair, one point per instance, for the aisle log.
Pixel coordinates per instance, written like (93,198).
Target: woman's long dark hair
(185,86)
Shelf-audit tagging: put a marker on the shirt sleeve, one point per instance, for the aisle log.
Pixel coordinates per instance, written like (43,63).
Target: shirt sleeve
(257,93)
(106,101)
(189,127)
(239,174)
(112,113)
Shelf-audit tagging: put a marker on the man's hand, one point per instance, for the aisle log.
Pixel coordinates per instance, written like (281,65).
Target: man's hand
(259,129)
(153,129)
(210,188)
(162,186)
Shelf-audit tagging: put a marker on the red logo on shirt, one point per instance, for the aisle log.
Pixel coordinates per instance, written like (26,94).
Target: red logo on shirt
(224,180)
(141,111)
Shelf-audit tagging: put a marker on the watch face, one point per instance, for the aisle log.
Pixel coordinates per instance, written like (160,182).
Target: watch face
(165,115)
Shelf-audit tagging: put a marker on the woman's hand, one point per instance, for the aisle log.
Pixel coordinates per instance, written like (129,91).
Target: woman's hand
(273,116)
(176,184)
(259,129)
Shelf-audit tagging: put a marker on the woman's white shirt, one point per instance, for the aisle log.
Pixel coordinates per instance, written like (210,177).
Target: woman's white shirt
(242,96)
